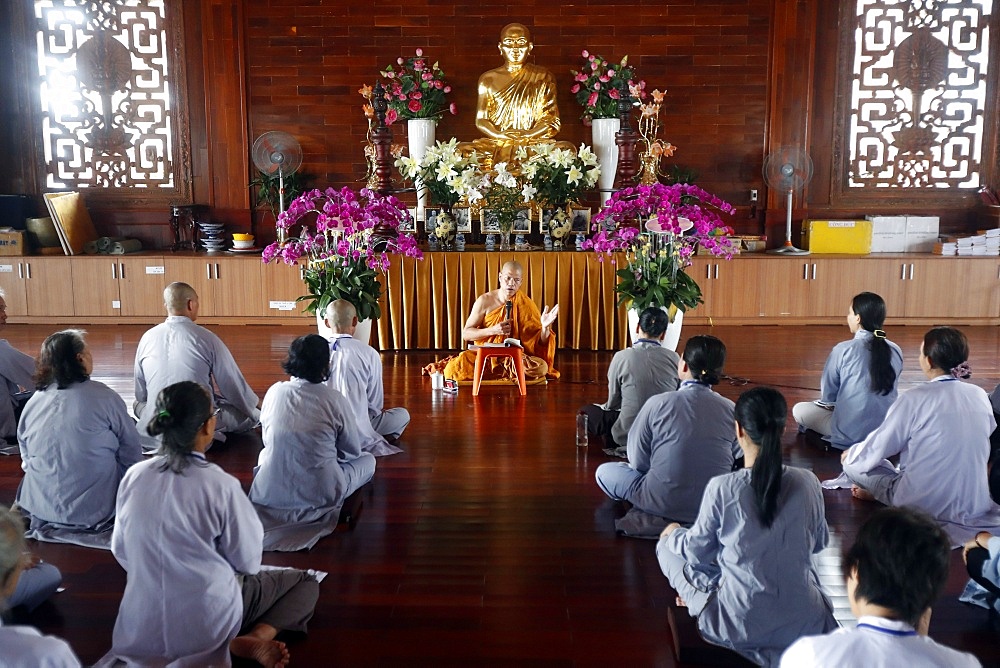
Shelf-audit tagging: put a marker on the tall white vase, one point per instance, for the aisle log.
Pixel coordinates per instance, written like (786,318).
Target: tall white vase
(420,134)
(363,332)
(673,334)
(603,139)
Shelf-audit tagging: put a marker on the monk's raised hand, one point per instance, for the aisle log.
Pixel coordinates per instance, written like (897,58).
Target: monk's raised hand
(549,315)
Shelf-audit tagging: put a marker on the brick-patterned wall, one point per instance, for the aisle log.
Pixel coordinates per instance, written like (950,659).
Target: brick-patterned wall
(306,60)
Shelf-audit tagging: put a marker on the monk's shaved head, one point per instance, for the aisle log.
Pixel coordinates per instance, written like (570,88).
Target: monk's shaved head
(176,297)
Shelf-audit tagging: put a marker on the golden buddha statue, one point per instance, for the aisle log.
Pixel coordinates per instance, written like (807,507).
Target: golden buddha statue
(517,101)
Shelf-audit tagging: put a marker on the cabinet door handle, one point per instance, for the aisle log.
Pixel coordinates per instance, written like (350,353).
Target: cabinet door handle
(114,271)
(902,273)
(805,272)
(20,270)
(208,270)
(708,272)
(716,271)
(27,270)
(814,271)
(302,273)
(216,271)
(911,271)
(121,270)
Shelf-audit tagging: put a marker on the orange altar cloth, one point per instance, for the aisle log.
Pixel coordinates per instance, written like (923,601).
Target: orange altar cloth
(425,302)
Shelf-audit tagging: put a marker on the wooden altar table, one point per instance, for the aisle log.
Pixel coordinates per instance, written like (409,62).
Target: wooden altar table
(425,302)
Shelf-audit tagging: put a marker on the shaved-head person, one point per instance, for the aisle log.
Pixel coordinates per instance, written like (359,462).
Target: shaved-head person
(508,313)
(356,371)
(178,350)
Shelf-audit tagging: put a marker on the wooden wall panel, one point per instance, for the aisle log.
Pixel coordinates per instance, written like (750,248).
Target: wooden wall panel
(306,61)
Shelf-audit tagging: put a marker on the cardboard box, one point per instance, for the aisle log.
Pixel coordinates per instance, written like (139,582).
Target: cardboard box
(922,233)
(11,241)
(852,237)
(888,234)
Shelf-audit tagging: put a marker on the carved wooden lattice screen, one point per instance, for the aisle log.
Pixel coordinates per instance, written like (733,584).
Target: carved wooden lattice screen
(915,116)
(111,93)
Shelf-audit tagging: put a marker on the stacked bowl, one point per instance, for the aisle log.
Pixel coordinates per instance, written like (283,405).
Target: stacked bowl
(243,243)
(211,237)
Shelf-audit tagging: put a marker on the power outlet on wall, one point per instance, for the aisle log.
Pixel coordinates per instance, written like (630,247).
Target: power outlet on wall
(753,194)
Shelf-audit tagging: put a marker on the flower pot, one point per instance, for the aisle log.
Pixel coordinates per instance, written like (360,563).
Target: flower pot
(363,332)
(673,335)
(420,135)
(603,139)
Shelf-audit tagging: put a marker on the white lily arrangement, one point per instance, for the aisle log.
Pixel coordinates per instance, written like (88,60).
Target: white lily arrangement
(448,175)
(556,176)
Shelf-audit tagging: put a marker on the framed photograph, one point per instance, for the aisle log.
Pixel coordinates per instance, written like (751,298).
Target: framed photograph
(522,224)
(489,222)
(430,218)
(411,224)
(463,219)
(581,220)
(544,216)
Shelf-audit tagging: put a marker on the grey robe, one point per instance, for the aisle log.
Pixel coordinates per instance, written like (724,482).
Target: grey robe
(16,369)
(636,374)
(311,461)
(76,444)
(846,382)
(760,589)
(180,537)
(680,440)
(178,349)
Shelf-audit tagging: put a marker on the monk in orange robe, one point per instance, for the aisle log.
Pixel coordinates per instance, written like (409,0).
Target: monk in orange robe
(489,322)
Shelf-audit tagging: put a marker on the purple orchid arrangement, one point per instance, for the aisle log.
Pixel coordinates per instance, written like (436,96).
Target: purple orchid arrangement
(351,239)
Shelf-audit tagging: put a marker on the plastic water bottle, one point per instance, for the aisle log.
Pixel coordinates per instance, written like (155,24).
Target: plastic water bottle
(581,430)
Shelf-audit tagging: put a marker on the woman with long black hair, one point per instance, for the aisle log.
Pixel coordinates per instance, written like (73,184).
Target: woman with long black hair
(744,568)
(859,379)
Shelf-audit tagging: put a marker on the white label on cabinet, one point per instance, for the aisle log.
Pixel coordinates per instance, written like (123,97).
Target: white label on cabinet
(154,270)
(283,306)
(116,304)
(840,223)
(6,269)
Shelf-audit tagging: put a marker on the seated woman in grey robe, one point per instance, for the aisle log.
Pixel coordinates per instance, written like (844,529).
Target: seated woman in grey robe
(312,458)
(76,440)
(190,543)
(744,568)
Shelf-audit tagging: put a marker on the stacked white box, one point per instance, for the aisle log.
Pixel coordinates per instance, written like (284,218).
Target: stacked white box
(888,234)
(921,233)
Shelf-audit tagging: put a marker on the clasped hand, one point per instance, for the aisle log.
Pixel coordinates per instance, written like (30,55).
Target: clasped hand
(503,328)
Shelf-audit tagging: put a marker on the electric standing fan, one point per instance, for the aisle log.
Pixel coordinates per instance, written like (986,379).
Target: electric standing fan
(277,152)
(788,169)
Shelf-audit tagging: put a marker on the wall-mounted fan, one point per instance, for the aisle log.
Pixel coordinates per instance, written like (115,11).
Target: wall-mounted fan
(278,153)
(788,169)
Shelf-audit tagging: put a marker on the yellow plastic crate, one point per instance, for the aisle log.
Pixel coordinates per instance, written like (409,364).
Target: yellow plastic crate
(850,237)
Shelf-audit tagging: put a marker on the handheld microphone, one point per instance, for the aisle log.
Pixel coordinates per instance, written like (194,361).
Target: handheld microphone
(508,309)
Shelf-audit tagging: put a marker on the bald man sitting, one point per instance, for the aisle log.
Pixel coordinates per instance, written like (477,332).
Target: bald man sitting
(502,313)
(356,371)
(177,350)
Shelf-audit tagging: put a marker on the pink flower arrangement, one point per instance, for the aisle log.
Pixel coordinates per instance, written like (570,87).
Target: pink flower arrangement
(353,235)
(417,89)
(596,86)
(658,228)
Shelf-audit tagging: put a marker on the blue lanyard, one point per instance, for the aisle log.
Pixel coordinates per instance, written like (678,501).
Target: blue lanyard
(653,341)
(891,632)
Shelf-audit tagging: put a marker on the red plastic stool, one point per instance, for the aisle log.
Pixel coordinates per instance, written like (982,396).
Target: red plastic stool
(513,352)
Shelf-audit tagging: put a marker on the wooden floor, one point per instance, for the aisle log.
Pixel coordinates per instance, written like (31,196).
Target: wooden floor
(487,541)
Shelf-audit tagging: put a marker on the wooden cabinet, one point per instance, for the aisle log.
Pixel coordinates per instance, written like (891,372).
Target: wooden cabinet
(947,288)
(282,284)
(810,287)
(37,286)
(226,286)
(110,285)
(731,289)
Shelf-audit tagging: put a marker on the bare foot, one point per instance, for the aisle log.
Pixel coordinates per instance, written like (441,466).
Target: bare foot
(268,653)
(680,603)
(861,493)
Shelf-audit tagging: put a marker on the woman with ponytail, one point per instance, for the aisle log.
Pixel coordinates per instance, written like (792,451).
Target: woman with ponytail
(859,379)
(679,440)
(190,542)
(744,568)
(941,432)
